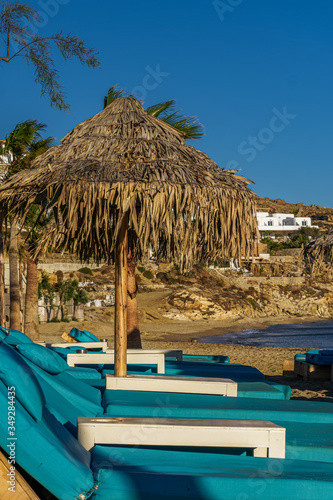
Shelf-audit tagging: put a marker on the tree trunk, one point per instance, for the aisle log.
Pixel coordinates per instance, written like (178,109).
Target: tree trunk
(21,295)
(120,330)
(31,321)
(133,330)
(15,312)
(2,277)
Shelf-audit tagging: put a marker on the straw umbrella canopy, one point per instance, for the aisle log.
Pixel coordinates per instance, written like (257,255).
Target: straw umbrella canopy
(123,172)
(319,253)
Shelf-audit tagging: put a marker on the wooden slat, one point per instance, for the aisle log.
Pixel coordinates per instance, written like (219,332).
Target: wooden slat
(23,490)
(68,338)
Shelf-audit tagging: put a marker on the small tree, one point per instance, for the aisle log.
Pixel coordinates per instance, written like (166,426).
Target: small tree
(19,39)
(46,292)
(80,297)
(304,235)
(69,290)
(35,223)
(25,143)
(66,289)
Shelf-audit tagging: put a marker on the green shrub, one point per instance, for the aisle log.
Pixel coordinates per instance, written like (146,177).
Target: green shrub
(189,274)
(254,303)
(149,275)
(54,320)
(141,269)
(86,270)
(65,320)
(304,235)
(74,318)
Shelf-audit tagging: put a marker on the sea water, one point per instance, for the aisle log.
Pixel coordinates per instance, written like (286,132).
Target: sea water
(318,335)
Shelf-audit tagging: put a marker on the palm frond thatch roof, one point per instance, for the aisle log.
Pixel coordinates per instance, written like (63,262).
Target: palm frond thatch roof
(123,160)
(319,252)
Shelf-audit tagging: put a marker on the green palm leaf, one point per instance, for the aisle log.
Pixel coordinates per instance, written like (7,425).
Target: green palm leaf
(25,142)
(161,107)
(113,93)
(165,111)
(189,126)
(37,148)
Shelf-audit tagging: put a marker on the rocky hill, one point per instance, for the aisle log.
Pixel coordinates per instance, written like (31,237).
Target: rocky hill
(320,216)
(216,294)
(277,287)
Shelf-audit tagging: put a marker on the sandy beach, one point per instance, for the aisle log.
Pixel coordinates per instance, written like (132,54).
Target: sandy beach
(186,335)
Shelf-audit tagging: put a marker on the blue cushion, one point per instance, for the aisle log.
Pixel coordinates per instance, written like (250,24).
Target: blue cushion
(262,390)
(14,337)
(326,352)
(48,452)
(14,372)
(84,373)
(205,358)
(318,359)
(152,404)
(3,333)
(238,373)
(68,398)
(83,336)
(130,474)
(64,351)
(43,357)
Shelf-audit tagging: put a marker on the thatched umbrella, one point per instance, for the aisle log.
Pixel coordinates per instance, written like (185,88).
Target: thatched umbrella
(125,170)
(319,253)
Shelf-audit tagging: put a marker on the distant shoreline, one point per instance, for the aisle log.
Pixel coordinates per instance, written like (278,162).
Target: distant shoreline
(165,335)
(187,331)
(174,330)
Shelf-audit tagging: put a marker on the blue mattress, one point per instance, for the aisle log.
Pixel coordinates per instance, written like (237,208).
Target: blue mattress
(150,474)
(47,451)
(197,369)
(148,404)
(206,359)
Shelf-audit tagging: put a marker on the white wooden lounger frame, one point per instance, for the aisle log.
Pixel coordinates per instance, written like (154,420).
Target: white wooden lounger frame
(80,345)
(177,354)
(187,385)
(265,438)
(104,358)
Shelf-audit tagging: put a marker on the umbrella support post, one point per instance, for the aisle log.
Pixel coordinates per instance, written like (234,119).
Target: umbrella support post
(120,341)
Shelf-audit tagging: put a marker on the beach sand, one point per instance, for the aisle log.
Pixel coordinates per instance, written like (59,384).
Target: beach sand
(186,335)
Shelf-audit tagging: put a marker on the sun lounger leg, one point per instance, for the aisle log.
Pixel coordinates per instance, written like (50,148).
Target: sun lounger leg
(161,366)
(260,452)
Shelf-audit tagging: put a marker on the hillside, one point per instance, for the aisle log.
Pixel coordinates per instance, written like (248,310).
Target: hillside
(299,209)
(273,290)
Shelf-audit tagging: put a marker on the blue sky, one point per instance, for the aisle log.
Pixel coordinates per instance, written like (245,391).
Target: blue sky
(257,73)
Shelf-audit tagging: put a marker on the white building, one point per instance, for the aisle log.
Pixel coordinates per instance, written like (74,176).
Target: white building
(5,159)
(281,222)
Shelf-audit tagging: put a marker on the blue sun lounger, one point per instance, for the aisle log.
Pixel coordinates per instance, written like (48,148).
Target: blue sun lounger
(251,382)
(68,398)
(50,454)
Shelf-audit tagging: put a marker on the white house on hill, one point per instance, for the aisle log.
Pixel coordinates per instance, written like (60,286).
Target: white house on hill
(281,222)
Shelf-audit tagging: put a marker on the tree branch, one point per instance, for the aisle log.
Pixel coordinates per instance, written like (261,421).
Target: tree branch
(8,42)
(8,45)
(28,44)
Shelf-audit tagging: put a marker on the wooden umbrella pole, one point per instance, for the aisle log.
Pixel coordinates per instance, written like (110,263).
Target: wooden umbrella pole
(120,341)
